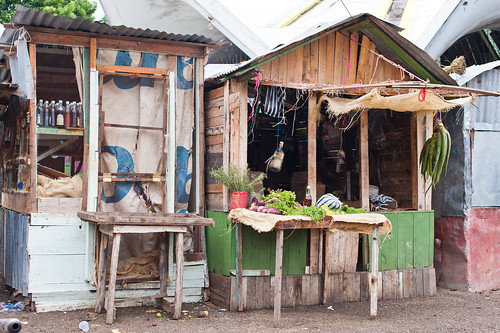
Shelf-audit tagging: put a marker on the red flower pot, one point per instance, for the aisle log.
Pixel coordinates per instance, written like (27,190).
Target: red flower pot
(239,200)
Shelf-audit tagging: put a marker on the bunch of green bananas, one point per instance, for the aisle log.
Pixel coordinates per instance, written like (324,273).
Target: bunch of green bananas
(435,155)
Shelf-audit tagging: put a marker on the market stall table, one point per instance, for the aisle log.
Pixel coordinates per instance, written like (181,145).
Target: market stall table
(361,223)
(116,223)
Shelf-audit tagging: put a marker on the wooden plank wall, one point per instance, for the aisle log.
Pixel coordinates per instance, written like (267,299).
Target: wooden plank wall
(214,129)
(331,59)
(342,251)
(258,291)
(225,136)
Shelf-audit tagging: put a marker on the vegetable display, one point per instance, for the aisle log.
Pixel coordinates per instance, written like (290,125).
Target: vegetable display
(283,202)
(435,154)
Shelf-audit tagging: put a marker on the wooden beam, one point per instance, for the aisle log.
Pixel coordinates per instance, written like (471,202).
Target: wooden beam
(179,260)
(33,147)
(93,53)
(311,144)
(50,172)
(75,38)
(225,143)
(325,265)
(239,267)
(132,70)
(429,124)
(364,181)
(278,277)
(243,123)
(201,139)
(374,274)
(415,165)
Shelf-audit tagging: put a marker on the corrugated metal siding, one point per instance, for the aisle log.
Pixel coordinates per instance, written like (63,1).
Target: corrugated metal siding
(29,17)
(486,169)
(484,121)
(487,114)
(14,252)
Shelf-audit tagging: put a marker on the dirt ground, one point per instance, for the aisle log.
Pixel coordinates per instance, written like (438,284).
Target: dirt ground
(449,311)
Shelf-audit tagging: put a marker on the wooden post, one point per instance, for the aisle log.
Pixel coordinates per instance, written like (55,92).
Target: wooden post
(415,165)
(101,273)
(429,124)
(325,266)
(33,147)
(277,277)
(311,144)
(424,124)
(225,144)
(110,314)
(163,269)
(364,182)
(374,275)
(201,141)
(179,260)
(239,268)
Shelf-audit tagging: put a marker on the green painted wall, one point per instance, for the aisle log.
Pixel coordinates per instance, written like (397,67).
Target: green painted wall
(258,248)
(410,245)
(411,242)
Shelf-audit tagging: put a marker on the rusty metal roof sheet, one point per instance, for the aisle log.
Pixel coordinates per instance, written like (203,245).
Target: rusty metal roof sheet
(28,17)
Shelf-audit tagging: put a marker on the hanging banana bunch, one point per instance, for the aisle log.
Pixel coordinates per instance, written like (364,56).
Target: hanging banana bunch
(435,155)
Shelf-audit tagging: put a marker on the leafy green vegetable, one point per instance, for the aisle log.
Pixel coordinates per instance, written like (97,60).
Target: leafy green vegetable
(285,202)
(316,213)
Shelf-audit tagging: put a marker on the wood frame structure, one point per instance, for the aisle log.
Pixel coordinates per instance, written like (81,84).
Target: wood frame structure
(26,202)
(351,54)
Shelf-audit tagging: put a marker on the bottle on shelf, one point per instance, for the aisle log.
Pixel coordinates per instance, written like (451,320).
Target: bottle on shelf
(52,117)
(73,114)
(67,115)
(308,198)
(46,114)
(39,113)
(277,159)
(79,116)
(60,114)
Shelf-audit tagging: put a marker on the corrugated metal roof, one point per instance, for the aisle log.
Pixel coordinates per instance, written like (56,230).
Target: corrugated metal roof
(28,17)
(372,27)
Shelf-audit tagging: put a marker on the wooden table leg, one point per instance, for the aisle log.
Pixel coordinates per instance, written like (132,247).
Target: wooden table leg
(101,272)
(277,277)
(239,268)
(163,264)
(179,259)
(325,265)
(374,275)
(110,314)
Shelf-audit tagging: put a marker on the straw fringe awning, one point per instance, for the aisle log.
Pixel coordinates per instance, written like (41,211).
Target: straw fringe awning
(411,102)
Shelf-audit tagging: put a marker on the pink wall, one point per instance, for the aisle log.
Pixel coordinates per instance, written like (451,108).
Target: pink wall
(468,254)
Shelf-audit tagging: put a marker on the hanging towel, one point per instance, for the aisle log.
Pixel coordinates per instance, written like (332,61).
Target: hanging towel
(273,105)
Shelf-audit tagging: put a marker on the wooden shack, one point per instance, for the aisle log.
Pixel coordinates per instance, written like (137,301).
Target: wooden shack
(137,148)
(288,95)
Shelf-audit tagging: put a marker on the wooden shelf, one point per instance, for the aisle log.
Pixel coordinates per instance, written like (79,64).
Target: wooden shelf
(60,131)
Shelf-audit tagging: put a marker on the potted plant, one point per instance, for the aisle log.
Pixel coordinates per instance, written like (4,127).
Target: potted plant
(237,182)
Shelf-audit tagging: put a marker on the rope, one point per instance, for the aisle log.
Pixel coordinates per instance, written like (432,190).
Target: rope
(257,85)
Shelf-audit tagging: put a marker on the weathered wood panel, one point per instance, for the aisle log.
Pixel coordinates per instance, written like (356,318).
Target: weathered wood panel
(258,291)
